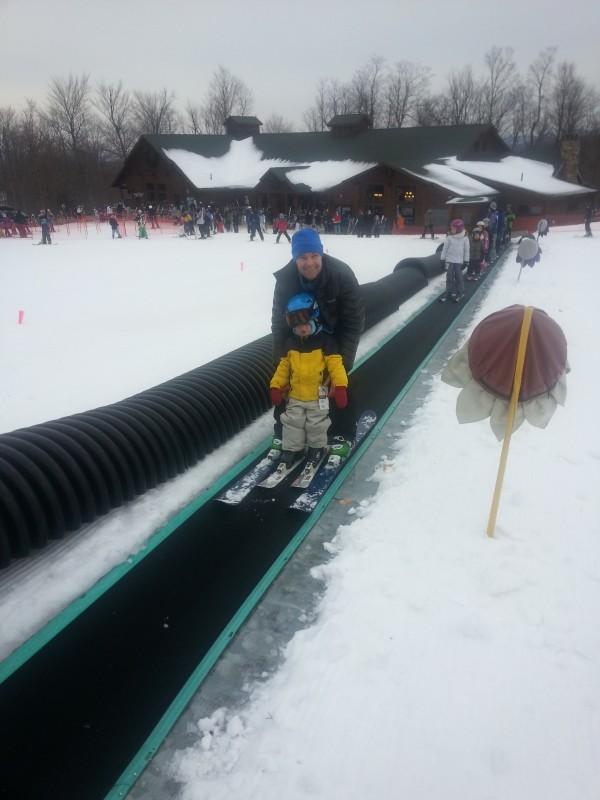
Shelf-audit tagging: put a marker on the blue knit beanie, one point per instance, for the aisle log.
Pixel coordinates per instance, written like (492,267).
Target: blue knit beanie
(305,241)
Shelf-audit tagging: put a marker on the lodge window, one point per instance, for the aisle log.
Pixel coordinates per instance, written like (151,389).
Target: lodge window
(375,193)
(406,199)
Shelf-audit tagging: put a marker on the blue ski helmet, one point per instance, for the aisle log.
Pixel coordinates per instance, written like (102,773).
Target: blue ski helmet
(301,308)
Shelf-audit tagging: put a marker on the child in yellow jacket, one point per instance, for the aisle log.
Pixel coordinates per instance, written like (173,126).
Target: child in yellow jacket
(310,364)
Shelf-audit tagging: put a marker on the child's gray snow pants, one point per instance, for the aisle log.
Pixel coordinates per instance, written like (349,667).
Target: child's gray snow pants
(304,423)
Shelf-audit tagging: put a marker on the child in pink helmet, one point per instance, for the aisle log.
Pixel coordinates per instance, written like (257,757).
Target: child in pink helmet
(455,256)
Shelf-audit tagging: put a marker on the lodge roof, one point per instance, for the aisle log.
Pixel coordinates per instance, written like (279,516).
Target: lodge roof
(396,147)
(448,156)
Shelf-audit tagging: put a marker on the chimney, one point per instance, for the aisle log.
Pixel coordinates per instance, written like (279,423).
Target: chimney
(569,156)
(242,127)
(349,124)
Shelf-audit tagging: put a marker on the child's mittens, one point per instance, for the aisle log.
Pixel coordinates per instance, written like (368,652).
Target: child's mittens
(340,395)
(276,396)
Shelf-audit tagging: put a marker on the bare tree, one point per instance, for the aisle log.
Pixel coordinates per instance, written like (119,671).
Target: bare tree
(68,110)
(367,88)
(519,114)
(318,115)
(496,90)
(539,81)
(405,88)
(339,98)
(116,124)
(226,95)
(154,112)
(277,124)
(193,118)
(311,120)
(462,102)
(572,101)
(431,110)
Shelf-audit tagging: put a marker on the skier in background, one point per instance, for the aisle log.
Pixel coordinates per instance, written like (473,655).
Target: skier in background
(428,224)
(475,254)
(114,226)
(510,218)
(492,218)
(253,221)
(141,226)
(281,226)
(45,226)
(455,254)
(587,220)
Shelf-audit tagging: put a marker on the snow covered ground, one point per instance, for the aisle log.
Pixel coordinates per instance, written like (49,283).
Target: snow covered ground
(104,319)
(442,663)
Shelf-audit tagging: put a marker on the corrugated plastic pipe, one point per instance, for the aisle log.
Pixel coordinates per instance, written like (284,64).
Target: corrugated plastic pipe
(59,475)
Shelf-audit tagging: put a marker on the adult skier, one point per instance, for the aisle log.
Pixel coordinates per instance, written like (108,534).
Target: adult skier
(587,220)
(253,221)
(335,288)
(45,226)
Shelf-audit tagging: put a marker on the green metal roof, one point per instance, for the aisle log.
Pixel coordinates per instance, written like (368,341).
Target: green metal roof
(398,148)
(394,146)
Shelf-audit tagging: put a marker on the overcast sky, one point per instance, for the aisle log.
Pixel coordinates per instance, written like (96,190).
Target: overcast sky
(279,49)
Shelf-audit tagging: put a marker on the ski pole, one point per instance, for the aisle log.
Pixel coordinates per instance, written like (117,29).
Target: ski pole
(512,409)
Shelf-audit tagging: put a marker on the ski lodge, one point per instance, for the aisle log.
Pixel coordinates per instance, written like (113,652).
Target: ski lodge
(399,172)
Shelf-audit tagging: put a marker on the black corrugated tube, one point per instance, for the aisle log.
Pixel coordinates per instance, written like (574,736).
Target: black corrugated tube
(430,266)
(59,475)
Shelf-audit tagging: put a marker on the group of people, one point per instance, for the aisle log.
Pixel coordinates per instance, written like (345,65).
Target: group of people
(317,320)
(475,250)
(258,221)
(20,225)
(17,224)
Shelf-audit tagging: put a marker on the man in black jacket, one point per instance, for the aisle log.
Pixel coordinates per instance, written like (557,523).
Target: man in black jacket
(335,288)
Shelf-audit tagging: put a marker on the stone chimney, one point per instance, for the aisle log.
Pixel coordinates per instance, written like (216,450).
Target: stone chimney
(569,156)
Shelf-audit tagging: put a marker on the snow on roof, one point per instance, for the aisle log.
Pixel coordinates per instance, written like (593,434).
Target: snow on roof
(321,175)
(244,164)
(522,173)
(468,201)
(241,167)
(452,180)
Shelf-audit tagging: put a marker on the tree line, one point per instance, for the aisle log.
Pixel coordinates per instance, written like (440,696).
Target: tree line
(548,101)
(69,149)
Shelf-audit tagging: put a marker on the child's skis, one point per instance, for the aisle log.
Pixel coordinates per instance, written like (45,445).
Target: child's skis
(308,500)
(308,473)
(234,495)
(282,472)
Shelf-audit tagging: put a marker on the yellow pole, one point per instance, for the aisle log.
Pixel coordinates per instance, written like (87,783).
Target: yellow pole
(512,410)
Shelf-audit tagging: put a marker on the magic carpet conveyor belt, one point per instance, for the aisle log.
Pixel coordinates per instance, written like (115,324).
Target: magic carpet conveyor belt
(75,714)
